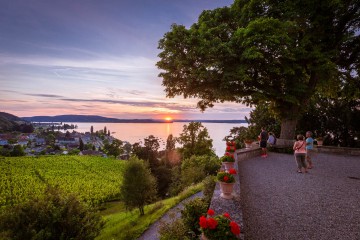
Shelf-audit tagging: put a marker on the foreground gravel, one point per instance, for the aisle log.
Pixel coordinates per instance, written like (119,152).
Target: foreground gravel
(279,203)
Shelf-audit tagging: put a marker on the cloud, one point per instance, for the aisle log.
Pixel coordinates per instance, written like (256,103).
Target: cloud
(44,95)
(122,64)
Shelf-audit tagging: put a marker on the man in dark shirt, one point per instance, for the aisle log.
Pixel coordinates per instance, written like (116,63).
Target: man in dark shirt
(263,140)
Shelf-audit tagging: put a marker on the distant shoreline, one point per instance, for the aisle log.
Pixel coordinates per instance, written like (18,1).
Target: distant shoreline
(100,119)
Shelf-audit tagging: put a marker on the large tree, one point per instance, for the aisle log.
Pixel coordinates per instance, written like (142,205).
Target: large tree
(264,51)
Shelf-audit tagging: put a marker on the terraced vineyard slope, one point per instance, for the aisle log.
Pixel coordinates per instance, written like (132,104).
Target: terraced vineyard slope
(93,179)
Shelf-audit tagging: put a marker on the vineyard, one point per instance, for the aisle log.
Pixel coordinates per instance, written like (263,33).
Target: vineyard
(93,179)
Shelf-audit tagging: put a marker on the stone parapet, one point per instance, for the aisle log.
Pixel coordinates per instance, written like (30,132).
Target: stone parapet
(233,206)
(338,150)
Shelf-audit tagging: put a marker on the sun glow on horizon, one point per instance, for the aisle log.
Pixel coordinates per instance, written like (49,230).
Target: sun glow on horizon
(168,118)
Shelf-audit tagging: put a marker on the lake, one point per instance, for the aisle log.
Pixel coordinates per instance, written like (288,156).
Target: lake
(136,132)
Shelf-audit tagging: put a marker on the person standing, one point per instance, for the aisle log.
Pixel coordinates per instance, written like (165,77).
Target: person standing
(263,142)
(300,152)
(309,149)
(272,139)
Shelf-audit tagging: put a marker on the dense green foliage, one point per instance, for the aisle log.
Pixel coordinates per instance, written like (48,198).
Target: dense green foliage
(207,164)
(195,140)
(94,179)
(139,185)
(54,215)
(254,51)
(193,210)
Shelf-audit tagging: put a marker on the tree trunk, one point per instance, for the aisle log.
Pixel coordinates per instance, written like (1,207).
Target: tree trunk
(288,127)
(141,209)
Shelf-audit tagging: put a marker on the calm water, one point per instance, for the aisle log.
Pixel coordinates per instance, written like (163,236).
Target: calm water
(135,132)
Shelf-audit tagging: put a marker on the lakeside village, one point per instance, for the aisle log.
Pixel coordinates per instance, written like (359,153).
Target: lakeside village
(58,139)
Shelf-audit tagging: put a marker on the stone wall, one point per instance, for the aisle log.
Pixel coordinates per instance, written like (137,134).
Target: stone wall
(338,150)
(233,206)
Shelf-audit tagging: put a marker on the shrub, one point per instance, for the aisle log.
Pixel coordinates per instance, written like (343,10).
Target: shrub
(209,186)
(192,175)
(193,210)
(53,216)
(210,164)
(174,230)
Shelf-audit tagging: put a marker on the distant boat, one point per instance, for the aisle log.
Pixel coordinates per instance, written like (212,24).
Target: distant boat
(113,132)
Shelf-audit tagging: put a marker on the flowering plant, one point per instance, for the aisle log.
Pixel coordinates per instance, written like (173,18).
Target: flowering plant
(228,157)
(219,227)
(225,177)
(230,148)
(230,143)
(232,171)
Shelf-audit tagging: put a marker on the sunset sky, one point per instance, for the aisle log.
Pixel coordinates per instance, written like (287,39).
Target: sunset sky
(94,58)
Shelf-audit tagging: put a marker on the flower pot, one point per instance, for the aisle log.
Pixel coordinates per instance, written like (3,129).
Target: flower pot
(228,165)
(319,142)
(226,190)
(248,144)
(203,237)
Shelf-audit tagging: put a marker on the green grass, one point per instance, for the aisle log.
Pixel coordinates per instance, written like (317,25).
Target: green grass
(130,225)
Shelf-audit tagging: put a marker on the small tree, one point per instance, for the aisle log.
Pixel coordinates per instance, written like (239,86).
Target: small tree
(139,185)
(17,151)
(115,148)
(81,145)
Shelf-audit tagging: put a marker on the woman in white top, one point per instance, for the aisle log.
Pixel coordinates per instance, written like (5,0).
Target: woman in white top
(300,152)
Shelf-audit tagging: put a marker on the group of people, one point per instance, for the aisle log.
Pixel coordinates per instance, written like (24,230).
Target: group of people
(264,139)
(303,148)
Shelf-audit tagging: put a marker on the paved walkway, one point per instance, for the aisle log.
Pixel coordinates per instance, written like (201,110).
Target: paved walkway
(152,232)
(279,203)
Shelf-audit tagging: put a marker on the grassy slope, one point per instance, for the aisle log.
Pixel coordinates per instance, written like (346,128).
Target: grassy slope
(122,224)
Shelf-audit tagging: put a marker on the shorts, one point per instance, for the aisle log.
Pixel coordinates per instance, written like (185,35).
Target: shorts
(263,144)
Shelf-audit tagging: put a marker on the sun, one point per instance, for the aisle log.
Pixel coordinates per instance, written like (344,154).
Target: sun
(168,118)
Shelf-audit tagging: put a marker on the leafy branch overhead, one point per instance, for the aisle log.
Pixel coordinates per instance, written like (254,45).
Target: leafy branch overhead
(254,51)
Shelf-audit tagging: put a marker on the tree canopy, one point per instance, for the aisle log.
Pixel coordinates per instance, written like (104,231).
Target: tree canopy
(254,51)
(195,140)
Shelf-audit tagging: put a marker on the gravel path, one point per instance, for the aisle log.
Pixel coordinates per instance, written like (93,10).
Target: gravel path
(279,203)
(152,232)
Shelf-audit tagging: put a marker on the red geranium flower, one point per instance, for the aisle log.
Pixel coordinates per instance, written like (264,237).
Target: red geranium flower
(227,215)
(211,223)
(235,229)
(210,212)
(232,171)
(226,178)
(228,148)
(202,222)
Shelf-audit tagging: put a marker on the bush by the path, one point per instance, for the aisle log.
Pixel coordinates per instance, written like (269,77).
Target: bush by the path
(54,215)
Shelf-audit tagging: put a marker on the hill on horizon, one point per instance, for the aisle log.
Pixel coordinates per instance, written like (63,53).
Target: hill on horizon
(9,122)
(101,119)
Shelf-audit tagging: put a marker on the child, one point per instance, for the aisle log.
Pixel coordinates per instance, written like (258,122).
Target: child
(309,148)
(300,151)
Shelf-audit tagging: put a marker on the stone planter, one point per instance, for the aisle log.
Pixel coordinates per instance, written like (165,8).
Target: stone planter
(248,144)
(228,165)
(226,190)
(203,237)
